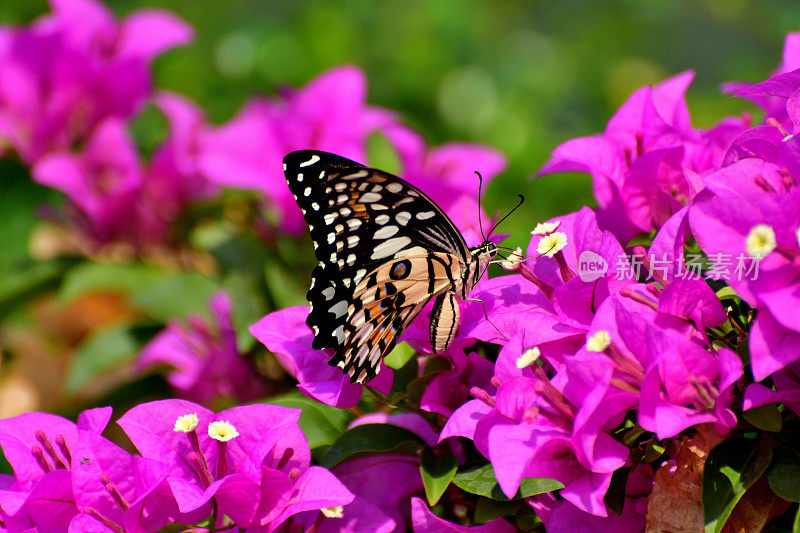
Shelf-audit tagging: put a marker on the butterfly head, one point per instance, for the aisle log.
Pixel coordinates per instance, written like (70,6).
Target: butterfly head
(482,255)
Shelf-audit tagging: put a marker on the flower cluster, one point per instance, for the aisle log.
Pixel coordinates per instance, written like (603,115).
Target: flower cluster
(72,80)
(249,465)
(609,353)
(574,385)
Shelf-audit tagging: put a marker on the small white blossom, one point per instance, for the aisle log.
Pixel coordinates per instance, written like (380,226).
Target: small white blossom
(333,512)
(513,261)
(529,357)
(761,241)
(551,244)
(599,341)
(222,431)
(544,228)
(186,423)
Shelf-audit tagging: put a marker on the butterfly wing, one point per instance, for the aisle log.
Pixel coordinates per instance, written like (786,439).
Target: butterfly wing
(364,223)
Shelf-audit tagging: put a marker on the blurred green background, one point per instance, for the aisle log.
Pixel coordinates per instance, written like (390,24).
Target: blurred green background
(519,76)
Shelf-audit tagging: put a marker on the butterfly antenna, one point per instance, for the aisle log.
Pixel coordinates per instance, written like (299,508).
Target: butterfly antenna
(521,200)
(480,186)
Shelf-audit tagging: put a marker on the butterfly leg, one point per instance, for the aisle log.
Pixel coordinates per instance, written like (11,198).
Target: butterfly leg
(485,314)
(444,321)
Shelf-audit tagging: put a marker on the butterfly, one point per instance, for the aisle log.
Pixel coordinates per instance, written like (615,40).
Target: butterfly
(385,250)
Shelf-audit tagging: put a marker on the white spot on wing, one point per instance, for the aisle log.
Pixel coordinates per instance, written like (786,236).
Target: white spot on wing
(382,219)
(354,223)
(340,309)
(300,177)
(352,240)
(307,191)
(330,217)
(328,293)
(402,217)
(394,187)
(331,237)
(360,275)
(385,232)
(369,197)
(425,215)
(314,159)
(390,247)
(339,334)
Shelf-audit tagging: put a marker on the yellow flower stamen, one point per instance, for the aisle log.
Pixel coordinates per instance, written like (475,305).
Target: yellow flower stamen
(761,241)
(513,261)
(551,244)
(529,357)
(545,228)
(222,431)
(333,512)
(599,341)
(186,423)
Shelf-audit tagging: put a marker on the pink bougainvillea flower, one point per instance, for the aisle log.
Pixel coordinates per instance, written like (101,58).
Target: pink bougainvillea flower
(786,390)
(645,165)
(560,516)
(330,113)
(762,244)
(254,461)
(286,334)
(68,475)
(205,362)
(774,105)
(71,69)
(424,521)
(540,427)
(686,385)
(103,183)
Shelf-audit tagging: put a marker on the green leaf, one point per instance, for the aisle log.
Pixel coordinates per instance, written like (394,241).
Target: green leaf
(642,239)
(249,305)
(766,417)
(487,509)
(437,473)
(615,495)
(19,196)
(176,296)
(730,469)
(796,525)
(129,279)
(482,481)
(784,475)
(382,154)
(20,285)
(369,438)
(283,287)
(322,424)
(399,356)
(727,293)
(102,352)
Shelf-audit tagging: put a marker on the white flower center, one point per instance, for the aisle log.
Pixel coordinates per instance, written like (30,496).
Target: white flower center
(186,423)
(544,228)
(333,512)
(513,261)
(599,341)
(761,241)
(222,431)
(529,357)
(551,244)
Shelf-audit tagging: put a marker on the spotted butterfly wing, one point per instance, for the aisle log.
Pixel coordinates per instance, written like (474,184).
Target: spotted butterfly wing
(384,250)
